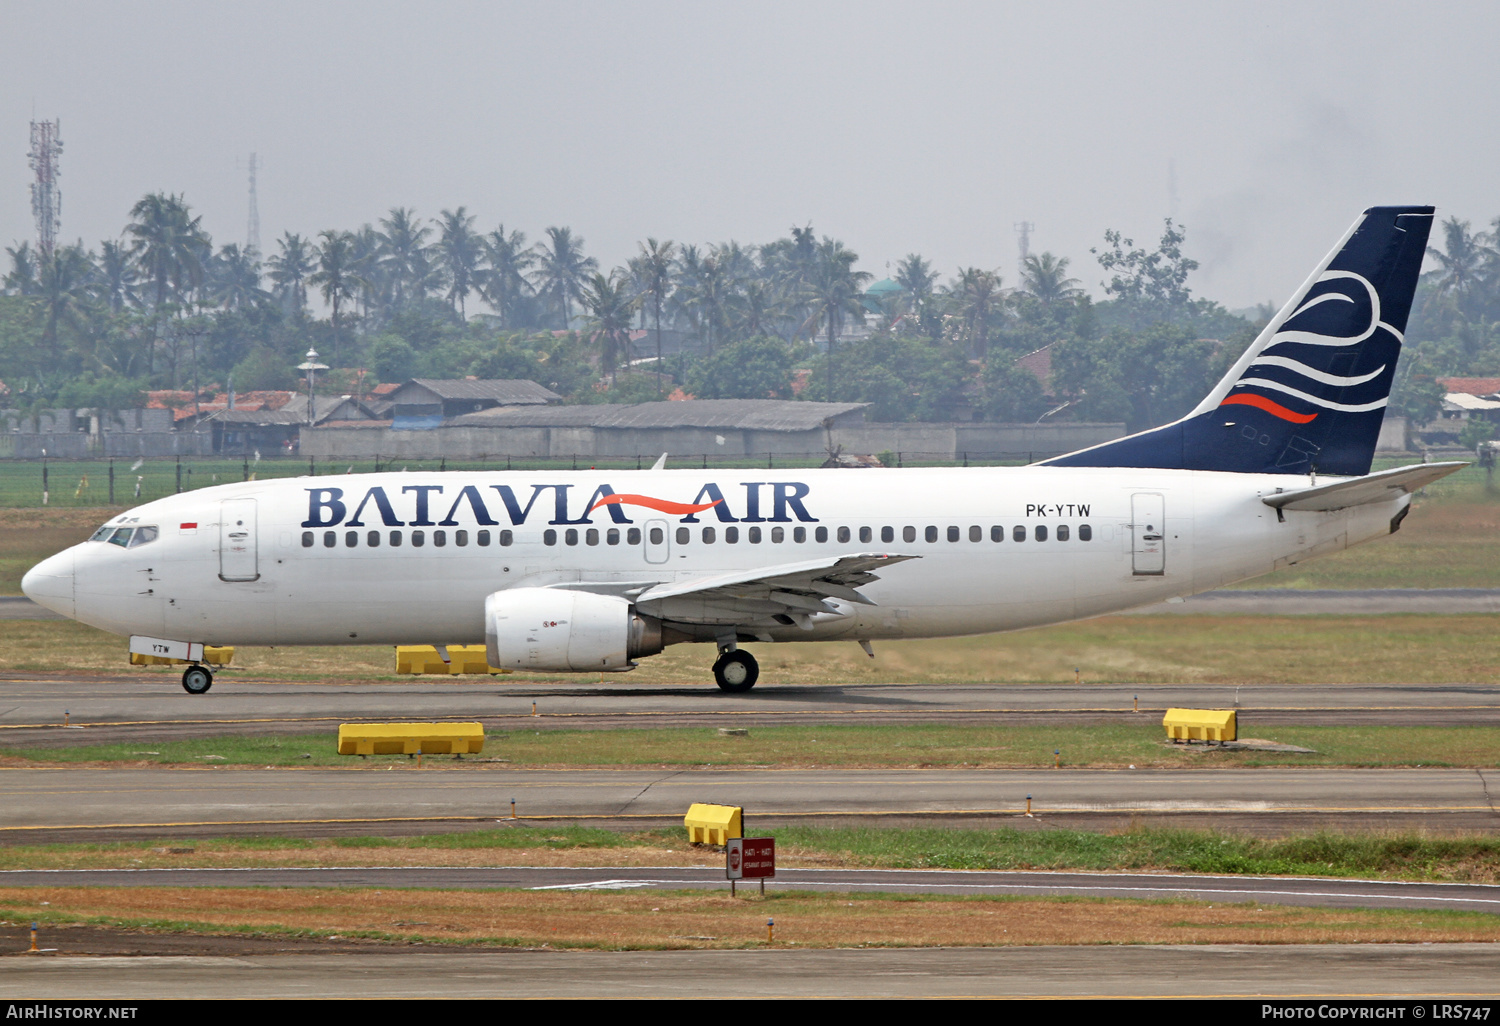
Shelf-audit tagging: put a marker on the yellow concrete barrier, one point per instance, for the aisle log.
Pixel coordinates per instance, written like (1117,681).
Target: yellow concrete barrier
(213,655)
(411,738)
(1200,724)
(713,824)
(427,659)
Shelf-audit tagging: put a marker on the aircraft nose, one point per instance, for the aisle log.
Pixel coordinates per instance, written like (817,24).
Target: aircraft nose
(50,583)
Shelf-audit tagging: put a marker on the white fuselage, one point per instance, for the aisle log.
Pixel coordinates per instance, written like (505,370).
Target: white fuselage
(263,563)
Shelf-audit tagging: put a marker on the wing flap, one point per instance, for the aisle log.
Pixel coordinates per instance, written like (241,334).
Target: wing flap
(1387,484)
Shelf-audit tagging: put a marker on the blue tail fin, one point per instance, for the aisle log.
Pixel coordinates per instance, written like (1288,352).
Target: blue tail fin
(1310,393)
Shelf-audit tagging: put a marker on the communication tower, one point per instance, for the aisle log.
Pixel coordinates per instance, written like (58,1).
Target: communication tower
(1024,230)
(252,228)
(46,198)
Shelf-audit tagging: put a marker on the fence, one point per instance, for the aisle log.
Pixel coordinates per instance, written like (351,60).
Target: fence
(121,482)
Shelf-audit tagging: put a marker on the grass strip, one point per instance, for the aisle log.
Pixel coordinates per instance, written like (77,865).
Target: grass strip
(1396,856)
(712,919)
(1110,745)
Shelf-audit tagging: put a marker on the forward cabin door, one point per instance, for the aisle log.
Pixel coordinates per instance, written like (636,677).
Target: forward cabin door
(238,560)
(1148,533)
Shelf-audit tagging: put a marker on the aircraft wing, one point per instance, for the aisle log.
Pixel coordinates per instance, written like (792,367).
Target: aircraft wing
(1361,490)
(785,594)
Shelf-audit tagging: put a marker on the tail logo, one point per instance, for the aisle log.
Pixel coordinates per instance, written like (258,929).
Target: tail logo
(1284,366)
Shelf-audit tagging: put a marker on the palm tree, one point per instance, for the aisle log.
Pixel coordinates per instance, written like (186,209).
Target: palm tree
(21,281)
(978,295)
(403,245)
(337,276)
(167,244)
(1045,279)
(237,278)
(117,277)
(503,281)
(916,278)
(610,307)
(562,270)
(1459,268)
(834,288)
(289,270)
(654,272)
(460,250)
(63,283)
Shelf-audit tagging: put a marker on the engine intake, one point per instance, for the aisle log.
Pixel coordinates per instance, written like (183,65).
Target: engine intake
(556,630)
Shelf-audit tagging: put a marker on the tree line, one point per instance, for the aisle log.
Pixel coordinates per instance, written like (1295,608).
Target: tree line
(164,307)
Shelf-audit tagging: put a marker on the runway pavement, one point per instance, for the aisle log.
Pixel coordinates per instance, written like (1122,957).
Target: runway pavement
(62,799)
(1311,891)
(126,706)
(1263,972)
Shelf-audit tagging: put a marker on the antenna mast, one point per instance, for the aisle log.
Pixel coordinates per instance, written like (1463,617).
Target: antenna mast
(1024,230)
(252,228)
(46,199)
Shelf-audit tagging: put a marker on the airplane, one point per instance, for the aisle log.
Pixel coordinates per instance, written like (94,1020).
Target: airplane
(587,571)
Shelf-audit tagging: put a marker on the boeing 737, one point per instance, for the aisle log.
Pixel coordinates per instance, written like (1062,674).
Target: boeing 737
(590,571)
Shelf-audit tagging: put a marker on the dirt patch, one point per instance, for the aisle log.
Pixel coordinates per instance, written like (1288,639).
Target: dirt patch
(715,920)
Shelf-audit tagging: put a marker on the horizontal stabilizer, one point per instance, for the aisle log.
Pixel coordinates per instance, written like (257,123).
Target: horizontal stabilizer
(1387,484)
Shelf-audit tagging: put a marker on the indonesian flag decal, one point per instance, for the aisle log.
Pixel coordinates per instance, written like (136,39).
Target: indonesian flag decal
(651,502)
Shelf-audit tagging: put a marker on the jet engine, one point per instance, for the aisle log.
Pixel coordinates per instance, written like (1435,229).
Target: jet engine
(556,630)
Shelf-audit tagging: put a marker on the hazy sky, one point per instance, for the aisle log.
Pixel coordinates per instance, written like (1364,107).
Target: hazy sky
(897,127)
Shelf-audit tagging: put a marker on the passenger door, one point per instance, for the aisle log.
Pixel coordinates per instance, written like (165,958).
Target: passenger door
(238,560)
(1148,534)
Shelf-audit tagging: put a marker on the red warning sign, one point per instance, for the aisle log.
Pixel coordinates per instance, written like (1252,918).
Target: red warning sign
(750,858)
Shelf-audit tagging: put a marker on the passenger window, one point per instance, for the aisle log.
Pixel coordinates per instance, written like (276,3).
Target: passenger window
(709,535)
(843,534)
(395,539)
(1041,532)
(976,533)
(909,534)
(887,534)
(799,534)
(997,533)
(1085,532)
(820,534)
(440,538)
(778,535)
(121,537)
(507,538)
(372,539)
(657,537)
(1018,533)
(417,538)
(307,539)
(682,535)
(460,537)
(931,534)
(952,533)
(351,538)
(571,536)
(330,539)
(481,538)
(865,534)
(549,537)
(143,536)
(591,536)
(633,536)
(753,536)
(612,536)
(731,535)
(1062,532)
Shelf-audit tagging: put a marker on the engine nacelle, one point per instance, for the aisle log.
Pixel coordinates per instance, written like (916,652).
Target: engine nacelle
(555,630)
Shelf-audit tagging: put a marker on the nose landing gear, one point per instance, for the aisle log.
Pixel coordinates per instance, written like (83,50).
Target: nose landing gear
(196,680)
(736,671)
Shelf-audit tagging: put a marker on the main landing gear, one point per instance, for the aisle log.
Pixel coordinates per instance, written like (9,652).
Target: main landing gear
(196,680)
(736,671)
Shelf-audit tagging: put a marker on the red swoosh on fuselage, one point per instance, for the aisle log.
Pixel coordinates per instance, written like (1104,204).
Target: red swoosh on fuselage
(1275,409)
(653,503)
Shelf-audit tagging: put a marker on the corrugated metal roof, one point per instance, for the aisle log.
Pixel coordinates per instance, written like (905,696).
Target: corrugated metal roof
(509,391)
(732,414)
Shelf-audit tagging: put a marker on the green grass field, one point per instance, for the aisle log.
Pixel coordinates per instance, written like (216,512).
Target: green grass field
(1099,745)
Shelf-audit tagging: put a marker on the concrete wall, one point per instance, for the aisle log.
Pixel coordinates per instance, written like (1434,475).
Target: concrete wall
(944,441)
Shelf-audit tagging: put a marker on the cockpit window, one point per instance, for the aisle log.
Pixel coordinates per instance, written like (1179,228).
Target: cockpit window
(126,537)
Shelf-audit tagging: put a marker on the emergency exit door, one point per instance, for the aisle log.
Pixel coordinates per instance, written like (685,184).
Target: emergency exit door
(237,541)
(1148,534)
